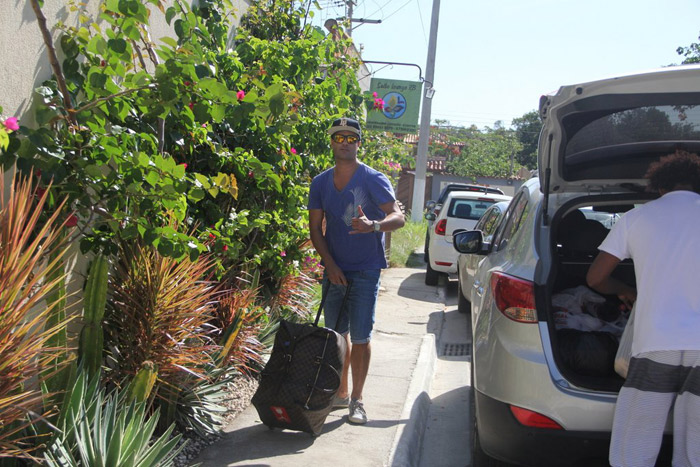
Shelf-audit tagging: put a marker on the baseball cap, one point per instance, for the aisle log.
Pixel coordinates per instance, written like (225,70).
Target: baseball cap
(345,124)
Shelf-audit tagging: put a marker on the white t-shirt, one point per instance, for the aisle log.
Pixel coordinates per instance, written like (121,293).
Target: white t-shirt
(663,239)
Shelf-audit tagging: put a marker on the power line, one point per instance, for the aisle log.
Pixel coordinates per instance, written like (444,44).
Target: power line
(381,8)
(397,10)
(422,26)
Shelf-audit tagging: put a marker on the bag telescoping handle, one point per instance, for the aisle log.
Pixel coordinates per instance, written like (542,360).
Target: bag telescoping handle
(324,293)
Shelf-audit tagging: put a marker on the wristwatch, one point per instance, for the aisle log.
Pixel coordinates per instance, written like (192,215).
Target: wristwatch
(376,226)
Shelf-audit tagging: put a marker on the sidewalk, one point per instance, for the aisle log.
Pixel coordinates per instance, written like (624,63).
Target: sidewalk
(408,318)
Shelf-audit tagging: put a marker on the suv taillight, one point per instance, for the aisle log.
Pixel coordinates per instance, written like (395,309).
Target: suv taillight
(441,227)
(514,297)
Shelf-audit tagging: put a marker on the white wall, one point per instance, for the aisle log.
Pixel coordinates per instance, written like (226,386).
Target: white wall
(23,61)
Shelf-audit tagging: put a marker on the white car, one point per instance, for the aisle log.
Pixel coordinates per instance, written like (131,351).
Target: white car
(467,264)
(460,211)
(544,388)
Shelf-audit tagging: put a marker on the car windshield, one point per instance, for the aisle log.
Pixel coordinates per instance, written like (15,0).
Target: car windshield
(605,218)
(468,208)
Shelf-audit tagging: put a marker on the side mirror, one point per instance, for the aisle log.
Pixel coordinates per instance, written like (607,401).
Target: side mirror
(470,242)
(430,204)
(430,216)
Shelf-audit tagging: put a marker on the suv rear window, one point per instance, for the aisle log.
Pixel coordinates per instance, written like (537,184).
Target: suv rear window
(463,187)
(638,125)
(468,208)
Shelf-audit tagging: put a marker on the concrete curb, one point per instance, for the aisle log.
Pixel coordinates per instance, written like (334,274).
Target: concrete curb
(406,448)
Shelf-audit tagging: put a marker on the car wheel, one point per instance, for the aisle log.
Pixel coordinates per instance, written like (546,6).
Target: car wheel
(431,275)
(425,249)
(463,305)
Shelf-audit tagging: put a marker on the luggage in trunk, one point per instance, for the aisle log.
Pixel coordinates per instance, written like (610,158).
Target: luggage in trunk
(584,343)
(299,382)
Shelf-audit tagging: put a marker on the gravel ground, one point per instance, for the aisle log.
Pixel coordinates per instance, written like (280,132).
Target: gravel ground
(241,391)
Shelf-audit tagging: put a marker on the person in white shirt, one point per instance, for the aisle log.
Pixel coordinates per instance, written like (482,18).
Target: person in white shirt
(662,237)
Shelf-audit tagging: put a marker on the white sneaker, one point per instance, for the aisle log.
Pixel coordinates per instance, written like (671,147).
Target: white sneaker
(357,412)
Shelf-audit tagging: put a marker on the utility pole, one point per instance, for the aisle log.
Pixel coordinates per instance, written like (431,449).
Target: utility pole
(424,131)
(350,4)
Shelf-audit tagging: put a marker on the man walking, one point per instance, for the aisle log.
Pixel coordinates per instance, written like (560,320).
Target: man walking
(661,237)
(358,205)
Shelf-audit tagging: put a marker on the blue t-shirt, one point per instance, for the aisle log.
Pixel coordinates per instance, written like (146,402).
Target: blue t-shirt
(367,188)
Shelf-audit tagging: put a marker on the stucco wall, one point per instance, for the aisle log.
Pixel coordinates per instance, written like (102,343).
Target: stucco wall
(24,63)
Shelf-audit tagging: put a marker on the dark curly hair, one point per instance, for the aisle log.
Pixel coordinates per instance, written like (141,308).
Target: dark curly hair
(679,168)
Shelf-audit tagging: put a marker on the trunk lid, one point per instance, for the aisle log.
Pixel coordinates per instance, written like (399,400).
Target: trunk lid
(601,136)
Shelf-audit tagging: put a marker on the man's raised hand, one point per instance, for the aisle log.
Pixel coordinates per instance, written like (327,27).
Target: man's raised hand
(361,224)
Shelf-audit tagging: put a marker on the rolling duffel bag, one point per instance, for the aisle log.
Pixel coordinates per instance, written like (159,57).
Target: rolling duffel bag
(299,382)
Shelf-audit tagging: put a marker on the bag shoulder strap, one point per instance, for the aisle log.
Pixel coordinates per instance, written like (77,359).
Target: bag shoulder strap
(324,293)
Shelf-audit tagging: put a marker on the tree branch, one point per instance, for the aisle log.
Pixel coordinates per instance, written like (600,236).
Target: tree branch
(53,60)
(97,102)
(154,58)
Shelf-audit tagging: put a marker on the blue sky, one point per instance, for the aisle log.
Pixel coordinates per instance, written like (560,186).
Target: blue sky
(496,57)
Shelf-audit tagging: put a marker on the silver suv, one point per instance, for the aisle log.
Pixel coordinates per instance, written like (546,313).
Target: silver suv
(544,393)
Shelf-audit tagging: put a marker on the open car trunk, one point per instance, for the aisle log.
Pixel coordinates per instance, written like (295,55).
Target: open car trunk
(585,327)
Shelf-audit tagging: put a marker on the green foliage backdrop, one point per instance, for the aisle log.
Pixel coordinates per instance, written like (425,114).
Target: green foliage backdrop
(215,132)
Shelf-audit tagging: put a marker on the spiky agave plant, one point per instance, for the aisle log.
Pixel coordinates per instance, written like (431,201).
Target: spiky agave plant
(99,429)
(239,319)
(30,256)
(294,297)
(160,312)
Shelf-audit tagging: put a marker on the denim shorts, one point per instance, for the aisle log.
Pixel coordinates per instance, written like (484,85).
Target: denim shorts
(358,315)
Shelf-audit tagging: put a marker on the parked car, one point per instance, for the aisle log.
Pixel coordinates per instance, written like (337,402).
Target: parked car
(434,206)
(533,403)
(462,210)
(467,263)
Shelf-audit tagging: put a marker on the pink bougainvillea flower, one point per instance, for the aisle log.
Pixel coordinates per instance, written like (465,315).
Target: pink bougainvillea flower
(191,105)
(283,253)
(294,151)
(374,94)
(184,165)
(225,248)
(11,124)
(187,83)
(240,95)
(211,235)
(72,221)
(251,174)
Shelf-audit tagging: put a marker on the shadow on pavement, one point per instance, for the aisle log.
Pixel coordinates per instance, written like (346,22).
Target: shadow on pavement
(414,287)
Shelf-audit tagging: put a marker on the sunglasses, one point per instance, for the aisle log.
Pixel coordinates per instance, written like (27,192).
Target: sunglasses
(351,139)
